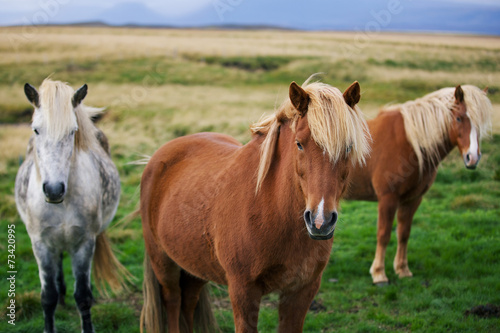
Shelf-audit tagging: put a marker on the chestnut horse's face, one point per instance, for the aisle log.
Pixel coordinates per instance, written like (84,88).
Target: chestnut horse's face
(463,133)
(322,182)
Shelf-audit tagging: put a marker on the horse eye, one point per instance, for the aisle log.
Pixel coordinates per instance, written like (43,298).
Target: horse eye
(299,145)
(36,131)
(348,149)
(459,119)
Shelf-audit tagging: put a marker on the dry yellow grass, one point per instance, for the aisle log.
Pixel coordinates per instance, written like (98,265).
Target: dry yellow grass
(76,43)
(145,122)
(496,119)
(479,79)
(195,108)
(13,142)
(148,121)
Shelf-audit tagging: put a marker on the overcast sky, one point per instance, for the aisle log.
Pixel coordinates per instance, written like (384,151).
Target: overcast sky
(179,7)
(458,16)
(166,7)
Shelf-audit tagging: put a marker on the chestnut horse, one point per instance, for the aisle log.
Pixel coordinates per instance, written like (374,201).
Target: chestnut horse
(214,210)
(409,142)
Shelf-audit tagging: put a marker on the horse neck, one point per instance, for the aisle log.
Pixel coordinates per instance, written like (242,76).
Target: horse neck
(281,186)
(445,148)
(388,129)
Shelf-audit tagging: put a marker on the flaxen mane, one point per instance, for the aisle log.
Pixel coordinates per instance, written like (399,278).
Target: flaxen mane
(334,126)
(59,118)
(428,119)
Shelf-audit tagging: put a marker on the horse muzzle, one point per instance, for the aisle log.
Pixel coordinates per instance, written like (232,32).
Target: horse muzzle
(471,160)
(320,226)
(54,193)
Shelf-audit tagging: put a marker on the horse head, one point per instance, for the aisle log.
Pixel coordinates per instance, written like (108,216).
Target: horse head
(463,133)
(54,125)
(323,146)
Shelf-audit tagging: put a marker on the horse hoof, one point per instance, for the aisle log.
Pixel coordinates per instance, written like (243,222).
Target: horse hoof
(381,284)
(405,274)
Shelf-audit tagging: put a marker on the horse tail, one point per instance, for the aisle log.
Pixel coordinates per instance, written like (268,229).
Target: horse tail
(204,320)
(107,268)
(153,314)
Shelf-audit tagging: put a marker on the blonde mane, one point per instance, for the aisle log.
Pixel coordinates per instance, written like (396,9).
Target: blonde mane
(334,127)
(428,119)
(60,118)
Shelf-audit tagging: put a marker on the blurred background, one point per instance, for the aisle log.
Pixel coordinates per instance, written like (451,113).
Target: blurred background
(465,16)
(164,69)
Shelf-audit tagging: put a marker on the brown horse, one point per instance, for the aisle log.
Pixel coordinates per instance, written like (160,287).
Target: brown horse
(214,210)
(409,142)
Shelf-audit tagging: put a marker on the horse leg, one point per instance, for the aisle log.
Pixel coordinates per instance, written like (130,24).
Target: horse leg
(191,287)
(60,281)
(387,207)
(81,260)
(405,218)
(47,266)
(245,300)
(294,305)
(168,274)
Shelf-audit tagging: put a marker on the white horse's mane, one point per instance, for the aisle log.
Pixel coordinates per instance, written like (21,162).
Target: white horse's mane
(60,117)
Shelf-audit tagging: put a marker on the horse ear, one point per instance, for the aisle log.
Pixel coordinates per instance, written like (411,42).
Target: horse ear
(486,90)
(32,95)
(79,95)
(459,94)
(299,98)
(352,94)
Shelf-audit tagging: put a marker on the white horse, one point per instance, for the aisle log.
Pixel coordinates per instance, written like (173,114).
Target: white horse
(67,192)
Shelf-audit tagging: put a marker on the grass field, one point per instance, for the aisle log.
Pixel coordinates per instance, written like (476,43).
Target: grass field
(161,84)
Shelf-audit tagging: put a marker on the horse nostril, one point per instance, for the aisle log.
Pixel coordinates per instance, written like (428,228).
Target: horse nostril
(57,189)
(53,191)
(307,216)
(468,157)
(334,217)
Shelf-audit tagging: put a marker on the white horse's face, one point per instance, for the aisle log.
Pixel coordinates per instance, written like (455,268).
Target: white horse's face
(53,156)
(54,139)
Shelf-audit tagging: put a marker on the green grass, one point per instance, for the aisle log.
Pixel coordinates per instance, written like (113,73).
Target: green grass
(454,249)
(454,254)
(273,71)
(267,63)
(486,64)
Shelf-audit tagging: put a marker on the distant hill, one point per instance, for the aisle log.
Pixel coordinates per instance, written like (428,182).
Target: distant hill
(131,13)
(357,15)
(354,15)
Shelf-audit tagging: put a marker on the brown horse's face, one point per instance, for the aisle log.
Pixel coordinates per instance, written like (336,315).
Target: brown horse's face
(322,182)
(463,133)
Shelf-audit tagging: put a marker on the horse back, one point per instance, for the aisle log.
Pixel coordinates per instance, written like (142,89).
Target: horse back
(185,165)
(185,162)
(203,152)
